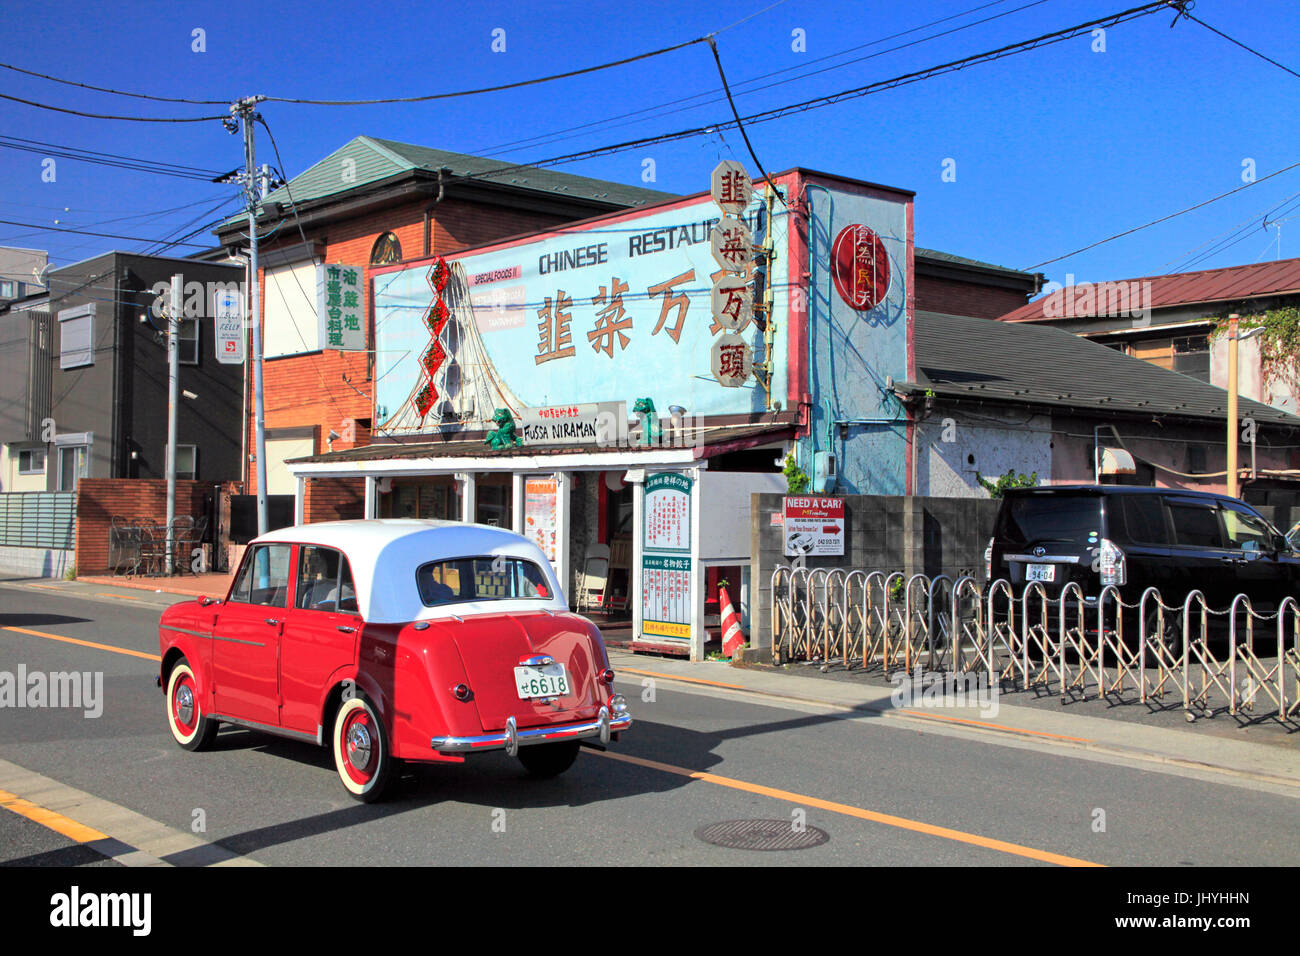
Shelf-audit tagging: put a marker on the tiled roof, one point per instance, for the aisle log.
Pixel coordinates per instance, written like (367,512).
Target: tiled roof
(367,159)
(1211,286)
(961,357)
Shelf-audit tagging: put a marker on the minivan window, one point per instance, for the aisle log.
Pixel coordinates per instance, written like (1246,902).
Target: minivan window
(1030,519)
(1245,531)
(1196,525)
(1143,518)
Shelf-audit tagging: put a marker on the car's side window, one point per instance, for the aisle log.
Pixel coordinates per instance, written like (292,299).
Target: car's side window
(1195,524)
(325,581)
(264,577)
(1144,518)
(1245,531)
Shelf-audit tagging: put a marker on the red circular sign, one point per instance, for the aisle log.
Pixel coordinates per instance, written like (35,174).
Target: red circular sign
(860,267)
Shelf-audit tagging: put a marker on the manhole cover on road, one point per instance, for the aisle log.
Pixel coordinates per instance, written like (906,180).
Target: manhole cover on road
(761,835)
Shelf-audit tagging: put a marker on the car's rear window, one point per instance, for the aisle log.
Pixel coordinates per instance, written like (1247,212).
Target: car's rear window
(481,579)
(1059,519)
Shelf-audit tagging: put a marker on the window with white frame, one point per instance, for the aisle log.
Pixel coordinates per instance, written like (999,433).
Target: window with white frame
(8,289)
(74,464)
(31,461)
(77,336)
(289,303)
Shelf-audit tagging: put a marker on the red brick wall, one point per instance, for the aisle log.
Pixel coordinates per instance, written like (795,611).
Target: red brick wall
(310,390)
(98,499)
(951,297)
(334,499)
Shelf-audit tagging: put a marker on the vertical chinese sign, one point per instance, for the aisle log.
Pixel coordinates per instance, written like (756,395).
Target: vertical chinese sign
(666,557)
(539,515)
(340,307)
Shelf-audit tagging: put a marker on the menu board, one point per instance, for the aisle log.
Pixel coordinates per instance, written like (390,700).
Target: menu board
(539,514)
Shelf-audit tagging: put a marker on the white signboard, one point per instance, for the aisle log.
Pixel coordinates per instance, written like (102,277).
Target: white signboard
(814,526)
(732,245)
(589,423)
(732,301)
(539,514)
(228,321)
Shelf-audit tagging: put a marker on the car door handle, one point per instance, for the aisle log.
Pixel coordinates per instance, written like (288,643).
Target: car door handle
(272,621)
(346,629)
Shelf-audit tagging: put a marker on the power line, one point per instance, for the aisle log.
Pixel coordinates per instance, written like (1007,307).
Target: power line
(739,125)
(1250,50)
(83,232)
(818,102)
(664,109)
(109,116)
(104,89)
(492,89)
(1154,222)
(115,160)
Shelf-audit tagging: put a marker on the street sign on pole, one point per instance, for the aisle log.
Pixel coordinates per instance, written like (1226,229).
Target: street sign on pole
(228,320)
(732,360)
(731,187)
(732,245)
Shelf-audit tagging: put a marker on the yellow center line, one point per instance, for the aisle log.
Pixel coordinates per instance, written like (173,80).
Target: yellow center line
(67,826)
(926,715)
(888,819)
(120,597)
(73,640)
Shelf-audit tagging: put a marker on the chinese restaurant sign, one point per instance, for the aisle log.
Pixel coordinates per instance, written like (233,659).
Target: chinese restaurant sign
(618,310)
(340,307)
(594,423)
(668,512)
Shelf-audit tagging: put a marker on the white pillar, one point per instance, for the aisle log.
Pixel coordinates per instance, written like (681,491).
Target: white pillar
(467,499)
(698,633)
(562,556)
(299,500)
(372,497)
(517,502)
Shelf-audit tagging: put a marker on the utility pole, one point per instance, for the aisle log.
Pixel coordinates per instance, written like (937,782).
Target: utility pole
(245,110)
(173,386)
(1232,404)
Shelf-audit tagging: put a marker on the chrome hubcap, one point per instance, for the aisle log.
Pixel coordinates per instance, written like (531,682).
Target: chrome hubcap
(358,746)
(184,704)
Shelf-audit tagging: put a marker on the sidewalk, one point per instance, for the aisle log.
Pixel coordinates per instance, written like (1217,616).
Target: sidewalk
(192,585)
(1206,745)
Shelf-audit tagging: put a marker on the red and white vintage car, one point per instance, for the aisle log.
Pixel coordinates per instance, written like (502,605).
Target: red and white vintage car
(393,640)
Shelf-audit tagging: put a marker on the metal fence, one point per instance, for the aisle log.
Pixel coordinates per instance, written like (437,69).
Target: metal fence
(38,519)
(1187,654)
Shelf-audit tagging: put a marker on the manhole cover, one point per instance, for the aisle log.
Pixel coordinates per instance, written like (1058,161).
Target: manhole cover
(761,835)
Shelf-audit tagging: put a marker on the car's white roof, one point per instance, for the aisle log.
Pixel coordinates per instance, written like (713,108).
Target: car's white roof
(384,553)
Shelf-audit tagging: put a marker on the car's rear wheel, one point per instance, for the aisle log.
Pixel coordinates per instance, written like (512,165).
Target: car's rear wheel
(549,760)
(189,727)
(361,753)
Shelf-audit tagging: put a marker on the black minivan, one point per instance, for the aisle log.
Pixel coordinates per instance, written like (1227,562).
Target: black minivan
(1137,537)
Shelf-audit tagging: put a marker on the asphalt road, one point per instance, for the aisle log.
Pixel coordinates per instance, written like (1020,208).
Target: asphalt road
(887,792)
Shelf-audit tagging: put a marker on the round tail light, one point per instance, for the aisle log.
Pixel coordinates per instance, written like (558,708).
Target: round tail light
(461,691)
(607,676)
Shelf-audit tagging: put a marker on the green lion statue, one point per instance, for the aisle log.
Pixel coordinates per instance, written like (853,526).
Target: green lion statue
(645,408)
(504,435)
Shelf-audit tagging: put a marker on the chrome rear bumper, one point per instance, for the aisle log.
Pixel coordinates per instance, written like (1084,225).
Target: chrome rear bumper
(511,738)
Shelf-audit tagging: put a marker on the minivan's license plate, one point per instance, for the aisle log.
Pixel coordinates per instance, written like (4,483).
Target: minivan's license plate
(1041,572)
(547,681)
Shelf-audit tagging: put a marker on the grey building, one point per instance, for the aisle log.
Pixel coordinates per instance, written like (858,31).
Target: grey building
(83,376)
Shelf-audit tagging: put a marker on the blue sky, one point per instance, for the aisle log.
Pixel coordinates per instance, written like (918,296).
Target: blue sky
(1053,148)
